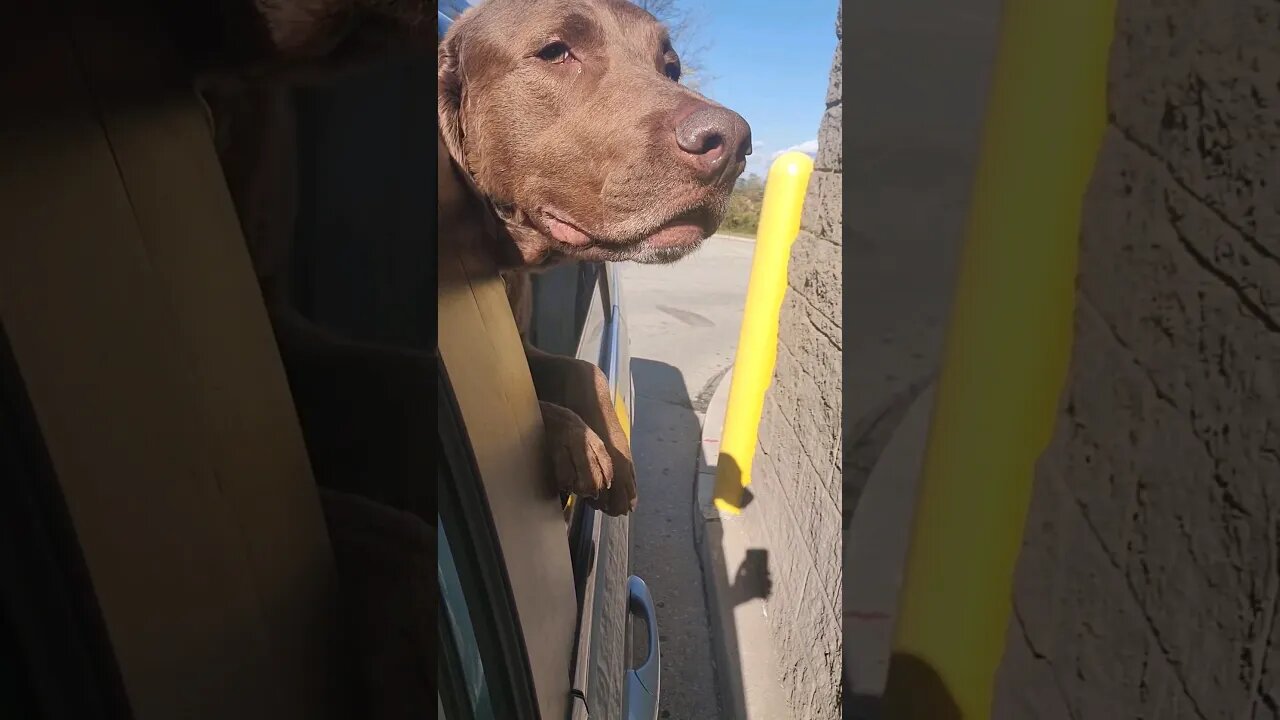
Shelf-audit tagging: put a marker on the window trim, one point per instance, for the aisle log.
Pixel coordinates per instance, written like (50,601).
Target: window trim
(464,518)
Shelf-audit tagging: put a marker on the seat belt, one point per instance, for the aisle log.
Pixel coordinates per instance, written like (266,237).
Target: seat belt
(136,322)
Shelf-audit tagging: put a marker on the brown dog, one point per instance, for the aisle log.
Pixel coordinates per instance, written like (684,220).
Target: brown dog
(568,118)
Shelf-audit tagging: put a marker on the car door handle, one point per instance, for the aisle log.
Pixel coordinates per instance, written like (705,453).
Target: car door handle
(643,683)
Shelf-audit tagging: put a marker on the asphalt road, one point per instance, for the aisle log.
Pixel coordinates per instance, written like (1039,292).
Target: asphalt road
(684,320)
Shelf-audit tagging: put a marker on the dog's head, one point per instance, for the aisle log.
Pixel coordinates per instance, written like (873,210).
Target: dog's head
(569,117)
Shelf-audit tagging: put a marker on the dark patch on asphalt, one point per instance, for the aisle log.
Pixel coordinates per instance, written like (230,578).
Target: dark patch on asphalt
(703,401)
(870,436)
(687,317)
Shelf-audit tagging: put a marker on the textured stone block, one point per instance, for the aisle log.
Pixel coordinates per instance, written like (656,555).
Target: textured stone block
(1149,580)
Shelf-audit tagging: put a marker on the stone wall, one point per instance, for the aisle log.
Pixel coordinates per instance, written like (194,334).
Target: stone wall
(796,470)
(1149,579)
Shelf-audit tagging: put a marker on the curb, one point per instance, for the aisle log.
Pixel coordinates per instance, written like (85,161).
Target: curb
(741,645)
(875,550)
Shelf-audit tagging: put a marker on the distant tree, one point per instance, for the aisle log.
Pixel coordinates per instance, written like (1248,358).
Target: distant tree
(750,183)
(686,36)
(743,214)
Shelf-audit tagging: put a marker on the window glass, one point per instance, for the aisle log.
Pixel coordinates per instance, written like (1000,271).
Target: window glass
(588,275)
(462,633)
(453,8)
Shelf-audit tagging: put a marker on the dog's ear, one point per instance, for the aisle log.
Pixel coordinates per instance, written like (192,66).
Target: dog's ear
(309,29)
(449,93)
(296,42)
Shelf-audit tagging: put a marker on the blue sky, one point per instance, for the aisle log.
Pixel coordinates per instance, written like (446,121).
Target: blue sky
(770,61)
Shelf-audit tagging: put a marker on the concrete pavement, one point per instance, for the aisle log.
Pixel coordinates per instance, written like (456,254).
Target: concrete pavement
(683,325)
(737,589)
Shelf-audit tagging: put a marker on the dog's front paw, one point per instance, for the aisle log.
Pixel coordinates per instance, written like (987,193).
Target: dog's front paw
(620,497)
(583,388)
(579,459)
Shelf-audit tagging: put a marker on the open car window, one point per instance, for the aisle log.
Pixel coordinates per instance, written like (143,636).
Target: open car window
(481,674)
(453,8)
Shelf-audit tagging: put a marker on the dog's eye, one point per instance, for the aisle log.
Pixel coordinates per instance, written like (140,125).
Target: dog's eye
(556,52)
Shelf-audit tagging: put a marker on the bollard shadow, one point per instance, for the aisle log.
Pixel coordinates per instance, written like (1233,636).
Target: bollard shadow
(753,579)
(727,466)
(666,422)
(915,691)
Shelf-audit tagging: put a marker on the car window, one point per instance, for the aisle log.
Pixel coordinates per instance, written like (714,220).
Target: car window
(484,670)
(588,277)
(563,301)
(463,674)
(472,674)
(479,665)
(453,8)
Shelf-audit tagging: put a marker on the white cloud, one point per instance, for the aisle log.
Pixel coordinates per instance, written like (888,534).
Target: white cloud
(758,162)
(808,147)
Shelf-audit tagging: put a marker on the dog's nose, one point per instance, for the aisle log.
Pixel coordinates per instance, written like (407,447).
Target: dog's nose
(712,138)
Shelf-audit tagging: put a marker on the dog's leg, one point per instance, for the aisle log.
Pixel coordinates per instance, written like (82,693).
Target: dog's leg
(578,457)
(578,415)
(581,388)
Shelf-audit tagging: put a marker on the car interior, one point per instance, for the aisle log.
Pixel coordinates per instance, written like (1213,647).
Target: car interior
(166,552)
(165,548)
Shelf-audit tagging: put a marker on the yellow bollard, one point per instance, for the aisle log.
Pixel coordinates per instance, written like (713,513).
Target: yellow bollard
(753,364)
(1006,356)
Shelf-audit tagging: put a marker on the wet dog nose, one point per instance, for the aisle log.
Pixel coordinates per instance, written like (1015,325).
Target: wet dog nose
(713,138)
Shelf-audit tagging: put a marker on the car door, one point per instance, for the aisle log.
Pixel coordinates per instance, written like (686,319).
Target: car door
(578,311)
(499,628)
(486,670)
